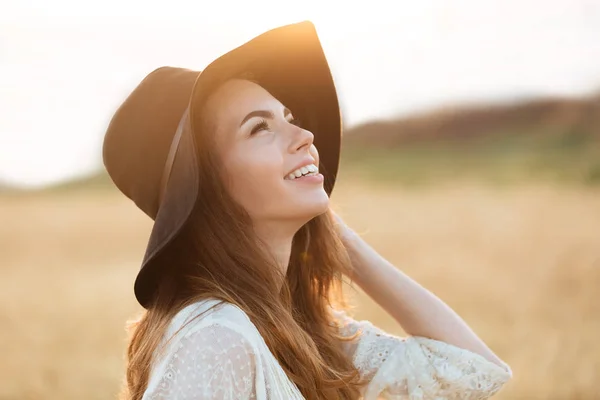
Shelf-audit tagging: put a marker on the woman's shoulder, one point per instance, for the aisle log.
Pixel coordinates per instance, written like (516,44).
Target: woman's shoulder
(209,329)
(211,312)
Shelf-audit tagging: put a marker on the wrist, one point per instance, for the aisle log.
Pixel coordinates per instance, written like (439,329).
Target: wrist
(350,239)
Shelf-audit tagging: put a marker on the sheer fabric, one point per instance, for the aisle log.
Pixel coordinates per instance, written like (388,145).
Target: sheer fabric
(219,354)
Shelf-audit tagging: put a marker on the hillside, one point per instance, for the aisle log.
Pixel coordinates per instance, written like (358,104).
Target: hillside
(554,140)
(473,123)
(5,188)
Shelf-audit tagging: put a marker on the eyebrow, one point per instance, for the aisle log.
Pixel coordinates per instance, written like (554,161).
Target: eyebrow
(264,114)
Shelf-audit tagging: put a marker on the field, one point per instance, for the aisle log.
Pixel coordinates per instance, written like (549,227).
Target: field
(521,263)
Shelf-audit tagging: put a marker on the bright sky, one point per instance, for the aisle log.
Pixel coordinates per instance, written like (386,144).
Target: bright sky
(65,65)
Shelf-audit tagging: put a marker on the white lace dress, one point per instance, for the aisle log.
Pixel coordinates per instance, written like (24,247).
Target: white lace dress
(221,355)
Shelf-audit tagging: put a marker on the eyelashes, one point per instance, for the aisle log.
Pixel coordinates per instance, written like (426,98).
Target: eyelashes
(263,125)
(260,126)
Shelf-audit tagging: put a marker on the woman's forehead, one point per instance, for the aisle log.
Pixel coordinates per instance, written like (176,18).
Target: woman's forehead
(236,98)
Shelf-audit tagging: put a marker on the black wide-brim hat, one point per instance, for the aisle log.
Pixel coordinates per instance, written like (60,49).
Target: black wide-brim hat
(149,148)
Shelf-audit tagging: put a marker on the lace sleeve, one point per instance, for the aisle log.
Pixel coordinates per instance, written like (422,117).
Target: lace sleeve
(417,367)
(212,363)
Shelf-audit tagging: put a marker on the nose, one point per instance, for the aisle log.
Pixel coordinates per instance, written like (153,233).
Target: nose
(302,139)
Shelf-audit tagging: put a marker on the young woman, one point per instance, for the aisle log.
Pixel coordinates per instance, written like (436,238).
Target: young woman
(241,277)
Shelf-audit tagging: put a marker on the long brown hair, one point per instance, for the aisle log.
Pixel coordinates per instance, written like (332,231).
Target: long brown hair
(218,256)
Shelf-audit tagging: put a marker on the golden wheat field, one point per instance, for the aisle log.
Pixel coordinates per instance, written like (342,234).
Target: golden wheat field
(521,264)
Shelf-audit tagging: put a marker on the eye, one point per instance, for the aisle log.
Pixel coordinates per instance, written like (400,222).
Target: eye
(295,121)
(260,126)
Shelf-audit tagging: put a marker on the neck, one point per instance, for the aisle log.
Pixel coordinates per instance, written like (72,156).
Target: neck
(277,237)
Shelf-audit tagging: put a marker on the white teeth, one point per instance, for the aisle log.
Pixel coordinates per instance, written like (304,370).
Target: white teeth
(310,169)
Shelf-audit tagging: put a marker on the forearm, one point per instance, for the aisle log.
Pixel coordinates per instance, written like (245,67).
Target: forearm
(416,309)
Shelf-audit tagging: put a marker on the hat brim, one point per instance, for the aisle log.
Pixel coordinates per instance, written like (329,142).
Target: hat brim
(289,62)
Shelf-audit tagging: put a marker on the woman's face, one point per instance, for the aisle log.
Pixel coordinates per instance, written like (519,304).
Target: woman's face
(264,152)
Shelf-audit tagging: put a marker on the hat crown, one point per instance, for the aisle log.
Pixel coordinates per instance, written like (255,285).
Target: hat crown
(140,133)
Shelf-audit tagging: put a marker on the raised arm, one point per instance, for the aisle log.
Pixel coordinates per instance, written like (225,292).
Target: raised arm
(416,309)
(441,358)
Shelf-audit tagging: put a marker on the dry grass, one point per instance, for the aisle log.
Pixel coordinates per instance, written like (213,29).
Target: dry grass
(520,264)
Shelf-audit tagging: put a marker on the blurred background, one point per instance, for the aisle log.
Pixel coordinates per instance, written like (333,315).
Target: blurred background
(471,160)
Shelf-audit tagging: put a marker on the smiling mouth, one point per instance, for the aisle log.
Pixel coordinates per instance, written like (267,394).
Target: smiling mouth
(307,170)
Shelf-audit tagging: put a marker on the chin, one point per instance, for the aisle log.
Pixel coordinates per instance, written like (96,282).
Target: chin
(315,207)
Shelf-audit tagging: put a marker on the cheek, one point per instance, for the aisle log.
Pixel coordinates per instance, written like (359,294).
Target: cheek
(255,178)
